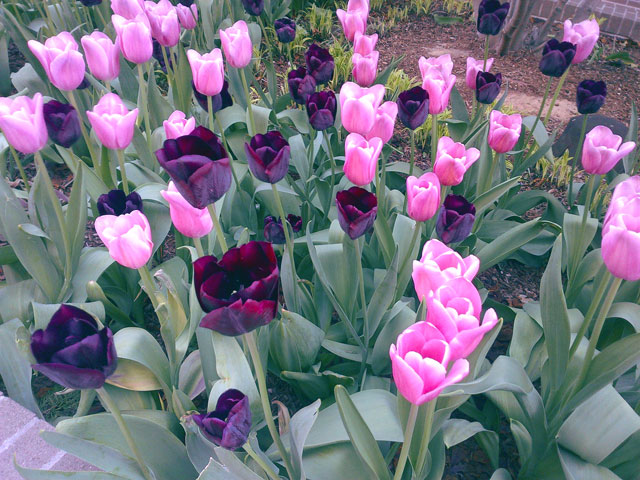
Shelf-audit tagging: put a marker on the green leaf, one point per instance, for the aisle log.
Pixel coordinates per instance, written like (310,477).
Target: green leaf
(31,474)
(31,229)
(294,342)
(457,430)
(396,320)
(577,238)
(505,374)
(336,462)
(446,20)
(235,466)
(299,428)
(76,218)
(487,199)
(501,474)
(630,160)
(92,263)
(575,468)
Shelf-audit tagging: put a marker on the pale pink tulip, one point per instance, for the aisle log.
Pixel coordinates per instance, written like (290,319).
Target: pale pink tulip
(358,106)
(423,196)
(453,160)
(207,71)
(621,244)
(188,16)
(361,158)
(177,125)
(625,199)
(353,22)
(61,60)
(190,221)
(22,122)
(583,35)
(504,131)
(129,9)
(236,44)
(473,67)
(127,237)
(602,150)
(439,87)
(163,18)
(112,122)
(384,122)
(103,56)
(365,68)
(134,37)
(364,44)
(442,64)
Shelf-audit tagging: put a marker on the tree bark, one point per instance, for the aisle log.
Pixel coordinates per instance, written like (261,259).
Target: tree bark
(516,25)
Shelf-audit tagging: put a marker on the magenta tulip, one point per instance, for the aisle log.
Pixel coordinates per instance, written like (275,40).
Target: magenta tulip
(442,64)
(364,44)
(365,68)
(473,67)
(189,221)
(353,21)
(103,56)
(22,122)
(188,16)
(178,125)
(112,122)
(625,199)
(208,71)
(358,106)
(61,60)
(361,158)
(134,37)
(128,9)
(236,44)
(583,35)
(453,160)
(163,18)
(384,123)
(127,237)
(423,196)
(439,87)
(504,131)
(602,150)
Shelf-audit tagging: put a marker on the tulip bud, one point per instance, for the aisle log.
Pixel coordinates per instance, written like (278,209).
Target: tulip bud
(62,123)
(488,87)
(301,85)
(285,29)
(384,123)
(473,67)
(320,63)
(116,202)
(188,15)
(455,219)
(189,221)
(357,210)
(127,237)
(207,70)
(103,56)
(229,424)
(423,196)
(268,156)
(602,150)
(583,35)
(365,68)
(177,125)
(61,60)
(590,96)
(112,122)
(253,7)
(321,108)
(134,38)
(163,19)
(358,106)
(413,107)
(364,44)
(22,122)
(556,57)
(453,160)
(491,16)
(504,131)
(361,158)
(236,44)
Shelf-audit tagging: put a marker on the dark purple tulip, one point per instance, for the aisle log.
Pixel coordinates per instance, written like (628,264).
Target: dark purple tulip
(295,222)
(488,87)
(198,165)
(268,156)
(321,108)
(491,16)
(253,7)
(83,84)
(273,231)
(157,54)
(455,219)
(239,292)
(301,85)
(62,123)
(230,423)
(72,351)
(90,3)
(413,107)
(285,29)
(218,102)
(556,57)
(117,203)
(591,96)
(357,210)
(320,63)
(186,3)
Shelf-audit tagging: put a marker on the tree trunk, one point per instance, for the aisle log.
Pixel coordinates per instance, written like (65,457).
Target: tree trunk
(516,26)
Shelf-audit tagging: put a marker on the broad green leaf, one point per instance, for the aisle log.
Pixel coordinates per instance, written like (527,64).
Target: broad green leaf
(501,474)
(577,238)
(92,263)
(395,322)
(238,469)
(76,218)
(30,474)
(42,312)
(487,199)
(299,428)
(338,461)
(577,469)
(191,380)
(294,342)
(505,374)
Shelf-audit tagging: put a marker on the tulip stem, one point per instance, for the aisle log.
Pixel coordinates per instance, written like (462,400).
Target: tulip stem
(556,94)
(363,300)
(250,337)
(406,444)
(585,214)
(333,171)
(143,106)
(486,53)
(86,400)
(576,159)
(416,234)
(123,171)
(149,286)
(224,139)
(426,435)
(170,75)
(216,224)
(535,123)
(115,411)
(256,458)
(23,174)
(434,137)
(230,8)
(245,85)
(412,136)
(287,237)
(495,160)
(85,134)
(198,244)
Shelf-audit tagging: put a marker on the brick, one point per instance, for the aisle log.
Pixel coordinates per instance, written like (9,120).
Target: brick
(13,417)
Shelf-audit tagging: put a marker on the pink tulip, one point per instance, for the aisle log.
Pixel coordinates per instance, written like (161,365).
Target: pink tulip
(442,64)
(61,60)
(22,122)
(112,122)
(439,87)
(620,246)
(188,16)
(473,67)
(128,9)
(236,44)
(103,56)
(163,19)
(365,68)
(134,38)
(127,237)
(423,196)
(190,221)
(419,362)
(364,44)
(583,35)
(358,106)
(625,199)
(177,125)
(440,264)
(602,150)
(384,122)
(361,158)
(352,22)
(453,160)
(208,71)
(504,131)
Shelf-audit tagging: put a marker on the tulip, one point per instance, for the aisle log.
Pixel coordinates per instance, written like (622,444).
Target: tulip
(365,68)
(413,107)
(62,123)
(22,121)
(361,158)
(364,44)
(491,16)
(488,87)
(625,199)
(321,108)
(73,351)
(285,29)
(438,265)
(163,18)
(473,67)
(320,63)
(61,60)
(199,166)
(239,293)
(188,15)
(301,85)
(590,96)
(253,7)
(134,38)
(103,56)
(358,106)
(352,22)
(273,230)
(268,156)
(384,123)
(453,160)
(442,64)
(236,44)
(504,131)
(116,202)
(90,3)
(218,102)
(127,237)
(207,70)
(229,424)
(357,210)
(177,125)
(128,9)
(420,362)
(439,87)
(621,244)
(423,196)
(455,219)
(159,55)
(583,35)
(602,150)
(112,122)
(556,57)
(189,221)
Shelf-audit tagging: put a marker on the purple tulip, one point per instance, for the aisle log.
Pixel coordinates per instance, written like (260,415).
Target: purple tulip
(556,57)
(239,292)
(488,87)
(117,203)
(62,123)
(268,156)
(218,102)
(320,63)
(253,7)
(295,221)
(90,3)
(357,210)
(198,165)
(285,29)
(491,16)
(274,232)
(230,423)
(590,96)
(72,351)
(413,107)
(321,108)
(301,85)
(455,219)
